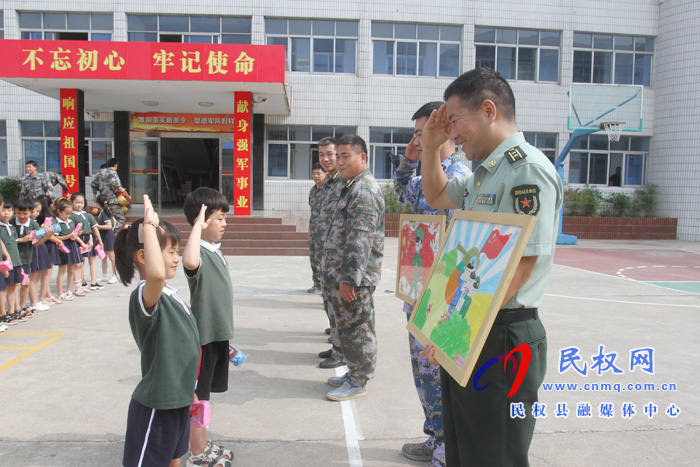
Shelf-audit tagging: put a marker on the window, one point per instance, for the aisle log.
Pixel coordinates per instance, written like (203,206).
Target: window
(519,54)
(3,146)
(191,29)
(383,142)
(545,142)
(319,46)
(612,59)
(292,150)
(2,25)
(403,49)
(41,142)
(66,26)
(99,143)
(594,159)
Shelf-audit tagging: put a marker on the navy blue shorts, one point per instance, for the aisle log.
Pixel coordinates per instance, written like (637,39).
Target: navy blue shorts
(15,276)
(155,437)
(213,370)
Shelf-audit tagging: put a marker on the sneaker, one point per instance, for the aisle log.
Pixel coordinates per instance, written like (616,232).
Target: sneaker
(3,327)
(417,452)
(325,353)
(337,381)
(40,307)
(314,289)
(332,362)
(96,287)
(113,280)
(207,459)
(346,392)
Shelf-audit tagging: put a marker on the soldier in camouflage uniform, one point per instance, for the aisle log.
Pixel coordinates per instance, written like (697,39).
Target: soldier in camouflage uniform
(57,179)
(352,262)
(409,189)
(106,182)
(34,184)
(317,175)
(330,194)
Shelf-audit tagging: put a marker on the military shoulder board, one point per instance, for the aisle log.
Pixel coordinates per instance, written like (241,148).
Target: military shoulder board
(515,154)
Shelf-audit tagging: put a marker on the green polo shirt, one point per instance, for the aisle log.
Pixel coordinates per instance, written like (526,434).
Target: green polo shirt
(26,249)
(517,178)
(211,295)
(169,343)
(85,218)
(8,235)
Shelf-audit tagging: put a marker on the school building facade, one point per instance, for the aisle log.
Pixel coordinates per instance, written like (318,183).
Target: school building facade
(332,68)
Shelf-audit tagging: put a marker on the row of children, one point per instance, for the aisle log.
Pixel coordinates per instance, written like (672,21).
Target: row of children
(184,349)
(35,236)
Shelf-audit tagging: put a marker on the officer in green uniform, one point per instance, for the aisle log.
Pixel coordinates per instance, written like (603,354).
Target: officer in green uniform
(482,425)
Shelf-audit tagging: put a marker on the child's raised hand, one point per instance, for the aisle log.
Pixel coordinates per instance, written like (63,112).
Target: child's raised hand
(149,214)
(201,220)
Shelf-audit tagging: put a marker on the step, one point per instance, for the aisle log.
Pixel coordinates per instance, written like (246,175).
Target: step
(230,220)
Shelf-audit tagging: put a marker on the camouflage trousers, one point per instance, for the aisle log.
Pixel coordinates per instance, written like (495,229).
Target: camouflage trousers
(358,339)
(315,259)
(427,380)
(117,213)
(336,351)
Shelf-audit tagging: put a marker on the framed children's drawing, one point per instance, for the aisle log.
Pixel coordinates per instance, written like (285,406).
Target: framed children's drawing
(470,277)
(419,244)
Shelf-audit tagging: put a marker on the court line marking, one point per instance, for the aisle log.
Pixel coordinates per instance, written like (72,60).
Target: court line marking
(624,301)
(352,432)
(32,350)
(623,278)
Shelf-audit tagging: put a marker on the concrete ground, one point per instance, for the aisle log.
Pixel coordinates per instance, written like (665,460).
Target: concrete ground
(66,375)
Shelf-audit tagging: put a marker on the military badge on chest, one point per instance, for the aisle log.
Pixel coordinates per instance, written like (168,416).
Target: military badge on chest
(485,198)
(526,199)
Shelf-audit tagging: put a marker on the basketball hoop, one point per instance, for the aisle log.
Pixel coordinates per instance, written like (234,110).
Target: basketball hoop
(612,129)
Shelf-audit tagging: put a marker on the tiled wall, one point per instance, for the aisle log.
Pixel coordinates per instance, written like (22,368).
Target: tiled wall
(675,166)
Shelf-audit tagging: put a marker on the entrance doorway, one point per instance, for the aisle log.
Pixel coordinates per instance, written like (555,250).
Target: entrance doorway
(187,164)
(168,167)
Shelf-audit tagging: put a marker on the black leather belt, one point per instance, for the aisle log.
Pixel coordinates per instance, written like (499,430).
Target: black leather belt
(514,315)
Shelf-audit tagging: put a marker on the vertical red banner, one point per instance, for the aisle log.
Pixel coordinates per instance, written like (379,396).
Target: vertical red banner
(69,138)
(242,192)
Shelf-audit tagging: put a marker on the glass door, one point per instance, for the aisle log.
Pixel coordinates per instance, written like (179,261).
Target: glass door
(145,173)
(226,170)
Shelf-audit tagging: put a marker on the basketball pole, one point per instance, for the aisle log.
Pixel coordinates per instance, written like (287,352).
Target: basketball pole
(563,239)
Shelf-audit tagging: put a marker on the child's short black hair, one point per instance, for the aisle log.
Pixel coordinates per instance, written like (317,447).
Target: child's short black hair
(77,194)
(24,204)
(214,200)
(127,243)
(7,204)
(62,204)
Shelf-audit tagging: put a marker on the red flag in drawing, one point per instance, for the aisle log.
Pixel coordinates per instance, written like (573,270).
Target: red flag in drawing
(494,245)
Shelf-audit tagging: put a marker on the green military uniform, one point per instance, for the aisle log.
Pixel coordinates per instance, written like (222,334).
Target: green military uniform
(169,343)
(106,182)
(329,196)
(39,184)
(315,200)
(26,249)
(479,428)
(57,179)
(352,254)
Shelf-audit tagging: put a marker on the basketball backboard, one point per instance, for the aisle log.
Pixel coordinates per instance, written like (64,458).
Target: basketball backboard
(591,105)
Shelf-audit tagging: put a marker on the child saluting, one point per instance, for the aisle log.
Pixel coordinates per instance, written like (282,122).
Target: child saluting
(158,424)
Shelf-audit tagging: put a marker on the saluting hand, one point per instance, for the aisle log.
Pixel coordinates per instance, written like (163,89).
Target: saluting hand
(437,129)
(201,220)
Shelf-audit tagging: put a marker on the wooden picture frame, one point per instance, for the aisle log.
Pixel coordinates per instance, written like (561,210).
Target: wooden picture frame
(413,267)
(467,284)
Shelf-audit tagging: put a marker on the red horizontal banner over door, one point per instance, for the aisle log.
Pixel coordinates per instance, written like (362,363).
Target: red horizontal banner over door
(141,61)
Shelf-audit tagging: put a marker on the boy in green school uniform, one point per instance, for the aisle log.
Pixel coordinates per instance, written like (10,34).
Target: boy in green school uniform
(211,300)
(8,236)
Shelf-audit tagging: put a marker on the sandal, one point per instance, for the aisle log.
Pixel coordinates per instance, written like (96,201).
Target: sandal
(54,300)
(219,451)
(18,317)
(8,319)
(79,292)
(66,296)
(207,459)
